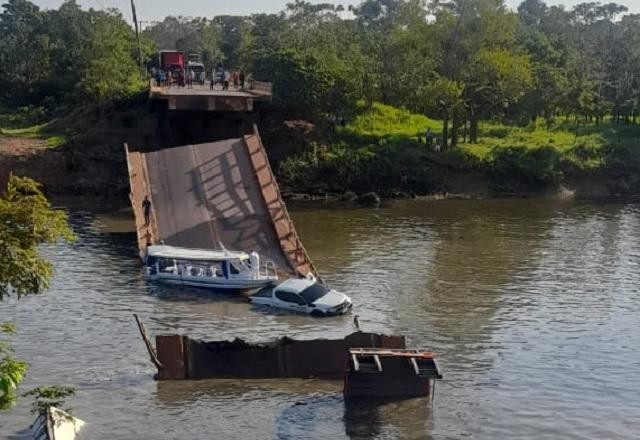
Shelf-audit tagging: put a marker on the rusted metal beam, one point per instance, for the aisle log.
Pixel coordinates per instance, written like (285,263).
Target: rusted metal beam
(185,358)
(152,353)
(147,234)
(290,242)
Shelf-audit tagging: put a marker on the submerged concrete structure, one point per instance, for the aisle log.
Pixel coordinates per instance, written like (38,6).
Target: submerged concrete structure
(184,358)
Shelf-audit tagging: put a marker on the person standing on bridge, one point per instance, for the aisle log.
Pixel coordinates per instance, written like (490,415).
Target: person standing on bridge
(225,84)
(254,261)
(241,77)
(146,209)
(192,77)
(235,79)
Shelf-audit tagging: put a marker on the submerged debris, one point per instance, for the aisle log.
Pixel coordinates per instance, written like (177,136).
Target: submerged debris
(184,358)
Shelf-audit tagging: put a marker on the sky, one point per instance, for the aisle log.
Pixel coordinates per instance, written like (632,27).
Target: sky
(158,9)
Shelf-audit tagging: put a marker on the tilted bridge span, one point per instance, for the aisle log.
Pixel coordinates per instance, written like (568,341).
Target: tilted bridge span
(215,193)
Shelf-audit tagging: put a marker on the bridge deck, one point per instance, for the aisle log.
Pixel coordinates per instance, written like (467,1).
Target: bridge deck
(200,90)
(220,192)
(203,98)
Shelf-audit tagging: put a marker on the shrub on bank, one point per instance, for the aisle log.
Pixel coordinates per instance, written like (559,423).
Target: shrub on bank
(381,143)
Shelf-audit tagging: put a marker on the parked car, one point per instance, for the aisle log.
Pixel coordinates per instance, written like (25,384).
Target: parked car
(304,296)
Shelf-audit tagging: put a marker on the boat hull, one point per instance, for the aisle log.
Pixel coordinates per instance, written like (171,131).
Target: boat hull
(228,286)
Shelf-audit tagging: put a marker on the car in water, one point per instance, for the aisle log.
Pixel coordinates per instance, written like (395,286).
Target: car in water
(304,295)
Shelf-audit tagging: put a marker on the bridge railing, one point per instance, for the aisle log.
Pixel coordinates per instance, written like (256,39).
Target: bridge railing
(262,87)
(300,255)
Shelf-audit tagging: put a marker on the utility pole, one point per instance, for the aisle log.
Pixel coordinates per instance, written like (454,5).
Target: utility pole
(135,22)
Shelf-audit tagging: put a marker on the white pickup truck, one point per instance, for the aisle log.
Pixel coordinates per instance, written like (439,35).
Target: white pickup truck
(304,296)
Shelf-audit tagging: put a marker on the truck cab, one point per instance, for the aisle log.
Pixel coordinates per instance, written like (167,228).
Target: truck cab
(172,61)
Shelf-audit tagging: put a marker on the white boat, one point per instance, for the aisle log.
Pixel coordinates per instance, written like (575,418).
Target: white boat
(52,424)
(221,270)
(304,295)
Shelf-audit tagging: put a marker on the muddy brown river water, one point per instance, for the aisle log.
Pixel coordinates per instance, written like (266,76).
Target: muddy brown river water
(532,305)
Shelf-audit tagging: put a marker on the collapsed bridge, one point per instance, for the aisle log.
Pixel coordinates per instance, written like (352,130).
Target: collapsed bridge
(215,193)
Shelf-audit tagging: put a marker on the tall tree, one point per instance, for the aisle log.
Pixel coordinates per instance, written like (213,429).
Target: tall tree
(26,221)
(110,71)
(25,51)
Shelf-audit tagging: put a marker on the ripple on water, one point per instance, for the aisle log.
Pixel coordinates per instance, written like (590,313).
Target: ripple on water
(531,305)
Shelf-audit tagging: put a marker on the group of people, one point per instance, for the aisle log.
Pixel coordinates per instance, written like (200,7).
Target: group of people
(225,78)
(218,76)
(432,142)
(166,79)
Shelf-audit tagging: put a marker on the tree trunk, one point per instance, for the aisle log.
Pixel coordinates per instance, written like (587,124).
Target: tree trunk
(473,129)
(445,133)
(464,130)
(454,131)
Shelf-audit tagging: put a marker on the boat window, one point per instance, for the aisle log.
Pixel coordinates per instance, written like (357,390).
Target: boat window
(314,292)
(290,298)
(165,263)
(234,269)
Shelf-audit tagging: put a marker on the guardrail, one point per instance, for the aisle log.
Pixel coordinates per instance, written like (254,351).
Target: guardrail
(300,255)
(262,87)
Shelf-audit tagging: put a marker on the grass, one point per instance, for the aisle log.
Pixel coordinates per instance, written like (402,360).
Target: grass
(382,140)
(38,131)
(383,121)
(583,151)
(586,150)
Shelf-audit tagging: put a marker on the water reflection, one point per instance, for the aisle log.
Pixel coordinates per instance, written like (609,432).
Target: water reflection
(308,408)
(379,418)
(531,305)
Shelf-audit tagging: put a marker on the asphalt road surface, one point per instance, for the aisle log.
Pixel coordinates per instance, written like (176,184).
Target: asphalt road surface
(208,194)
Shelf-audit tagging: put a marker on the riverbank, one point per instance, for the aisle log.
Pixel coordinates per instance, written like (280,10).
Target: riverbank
(382,144)
(81,153)
(381,150)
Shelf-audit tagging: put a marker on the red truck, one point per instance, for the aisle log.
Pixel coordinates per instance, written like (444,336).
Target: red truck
(172,61)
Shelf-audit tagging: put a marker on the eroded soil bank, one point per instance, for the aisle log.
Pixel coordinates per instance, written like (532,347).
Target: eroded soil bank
(92,163)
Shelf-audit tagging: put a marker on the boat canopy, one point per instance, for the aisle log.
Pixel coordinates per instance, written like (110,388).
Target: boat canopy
(178,253)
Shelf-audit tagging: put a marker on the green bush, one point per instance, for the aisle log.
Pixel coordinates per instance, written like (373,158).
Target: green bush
(383,121)
(371,150)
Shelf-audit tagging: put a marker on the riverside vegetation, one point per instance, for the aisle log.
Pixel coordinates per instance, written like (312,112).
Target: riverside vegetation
(371,151)
(26,221)
(521,100)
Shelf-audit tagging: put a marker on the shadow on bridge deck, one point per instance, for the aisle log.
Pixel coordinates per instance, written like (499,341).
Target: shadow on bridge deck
(219,192)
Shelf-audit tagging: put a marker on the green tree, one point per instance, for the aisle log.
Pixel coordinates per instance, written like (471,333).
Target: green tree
(111,72)
(26,221)
(191,35)
(495,80)
(12,370)
(234,37)
(25,50)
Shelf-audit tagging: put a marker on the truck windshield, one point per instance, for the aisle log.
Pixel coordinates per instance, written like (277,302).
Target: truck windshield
(314,292)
